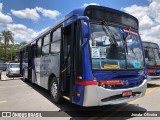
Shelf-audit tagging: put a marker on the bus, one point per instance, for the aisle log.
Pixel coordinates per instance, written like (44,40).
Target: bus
(93,57)
(152,58)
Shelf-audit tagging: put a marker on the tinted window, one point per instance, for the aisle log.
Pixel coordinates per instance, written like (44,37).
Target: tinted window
(38,48)
(33,49)
(25,54)
(110,15)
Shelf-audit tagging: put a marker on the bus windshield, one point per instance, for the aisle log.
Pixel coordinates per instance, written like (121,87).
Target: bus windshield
(127,54)
(152,57)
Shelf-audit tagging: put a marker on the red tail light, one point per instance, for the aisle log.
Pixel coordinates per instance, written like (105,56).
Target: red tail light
(157,64)
(150,71)
(79,77)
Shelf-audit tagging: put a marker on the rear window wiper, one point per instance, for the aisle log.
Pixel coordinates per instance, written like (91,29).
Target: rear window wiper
(113,39)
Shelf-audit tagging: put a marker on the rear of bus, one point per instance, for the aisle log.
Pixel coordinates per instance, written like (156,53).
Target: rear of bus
(152,58)
(113,60)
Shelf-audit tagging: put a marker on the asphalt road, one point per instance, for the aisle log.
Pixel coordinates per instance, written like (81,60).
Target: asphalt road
(16,95)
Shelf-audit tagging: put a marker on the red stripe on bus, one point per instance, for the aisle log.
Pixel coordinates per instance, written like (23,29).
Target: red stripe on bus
(131,32)
(87,83)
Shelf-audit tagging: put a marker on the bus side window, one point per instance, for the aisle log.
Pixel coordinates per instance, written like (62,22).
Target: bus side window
(55,47)
(45,46)
(25,54)
(39,47)
(56,35)
(146,52)
(55,41)
(34,50)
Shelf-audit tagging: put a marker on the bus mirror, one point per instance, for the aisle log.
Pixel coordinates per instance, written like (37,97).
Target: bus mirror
(85,29)
(85,26)
(85,18)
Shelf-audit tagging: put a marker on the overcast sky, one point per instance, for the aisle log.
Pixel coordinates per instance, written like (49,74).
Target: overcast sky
(27,18)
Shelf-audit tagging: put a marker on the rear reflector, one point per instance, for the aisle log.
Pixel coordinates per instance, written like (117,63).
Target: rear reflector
(78,94)
(95,79)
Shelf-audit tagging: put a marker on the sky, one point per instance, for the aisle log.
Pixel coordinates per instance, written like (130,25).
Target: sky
(28,18)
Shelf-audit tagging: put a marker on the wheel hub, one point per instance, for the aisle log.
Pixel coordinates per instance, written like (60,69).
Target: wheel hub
(54,90)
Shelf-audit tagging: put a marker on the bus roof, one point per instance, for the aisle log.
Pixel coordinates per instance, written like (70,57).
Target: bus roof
(82,11)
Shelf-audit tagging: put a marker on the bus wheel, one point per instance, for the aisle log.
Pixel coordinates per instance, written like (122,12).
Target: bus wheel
(54,91)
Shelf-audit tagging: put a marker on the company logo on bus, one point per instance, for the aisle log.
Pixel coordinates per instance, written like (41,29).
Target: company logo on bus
(124,82)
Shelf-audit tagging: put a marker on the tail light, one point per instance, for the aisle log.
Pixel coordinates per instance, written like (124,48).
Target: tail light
(79,77)
(157,64)
(150,71)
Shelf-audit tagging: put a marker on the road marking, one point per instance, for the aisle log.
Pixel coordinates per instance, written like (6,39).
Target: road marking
(149,90)
(11,86)
(2,101)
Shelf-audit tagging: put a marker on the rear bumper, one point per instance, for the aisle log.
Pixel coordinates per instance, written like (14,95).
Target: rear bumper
(94,95)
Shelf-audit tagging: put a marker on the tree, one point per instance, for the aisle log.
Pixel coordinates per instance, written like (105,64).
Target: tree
(6,37)
(23,43)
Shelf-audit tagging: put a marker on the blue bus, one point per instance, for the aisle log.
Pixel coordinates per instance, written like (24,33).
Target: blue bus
(93,57)
(152,57)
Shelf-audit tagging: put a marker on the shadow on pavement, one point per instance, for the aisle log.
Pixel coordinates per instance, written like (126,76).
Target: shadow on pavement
(150,85)
(79,112)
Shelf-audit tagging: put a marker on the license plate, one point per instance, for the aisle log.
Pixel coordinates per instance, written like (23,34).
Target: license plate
(126,93)
(108,66)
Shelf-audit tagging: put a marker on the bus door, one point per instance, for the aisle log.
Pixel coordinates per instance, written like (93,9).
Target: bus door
(30,63)
(21,62)
(69,59)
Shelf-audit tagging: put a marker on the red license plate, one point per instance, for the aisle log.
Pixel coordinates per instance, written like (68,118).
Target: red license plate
(127,93)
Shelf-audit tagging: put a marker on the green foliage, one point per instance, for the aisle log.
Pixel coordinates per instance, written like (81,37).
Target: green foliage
(23,43)
(8,50)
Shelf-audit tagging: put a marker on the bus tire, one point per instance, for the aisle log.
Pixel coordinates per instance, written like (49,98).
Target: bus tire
(54,91)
